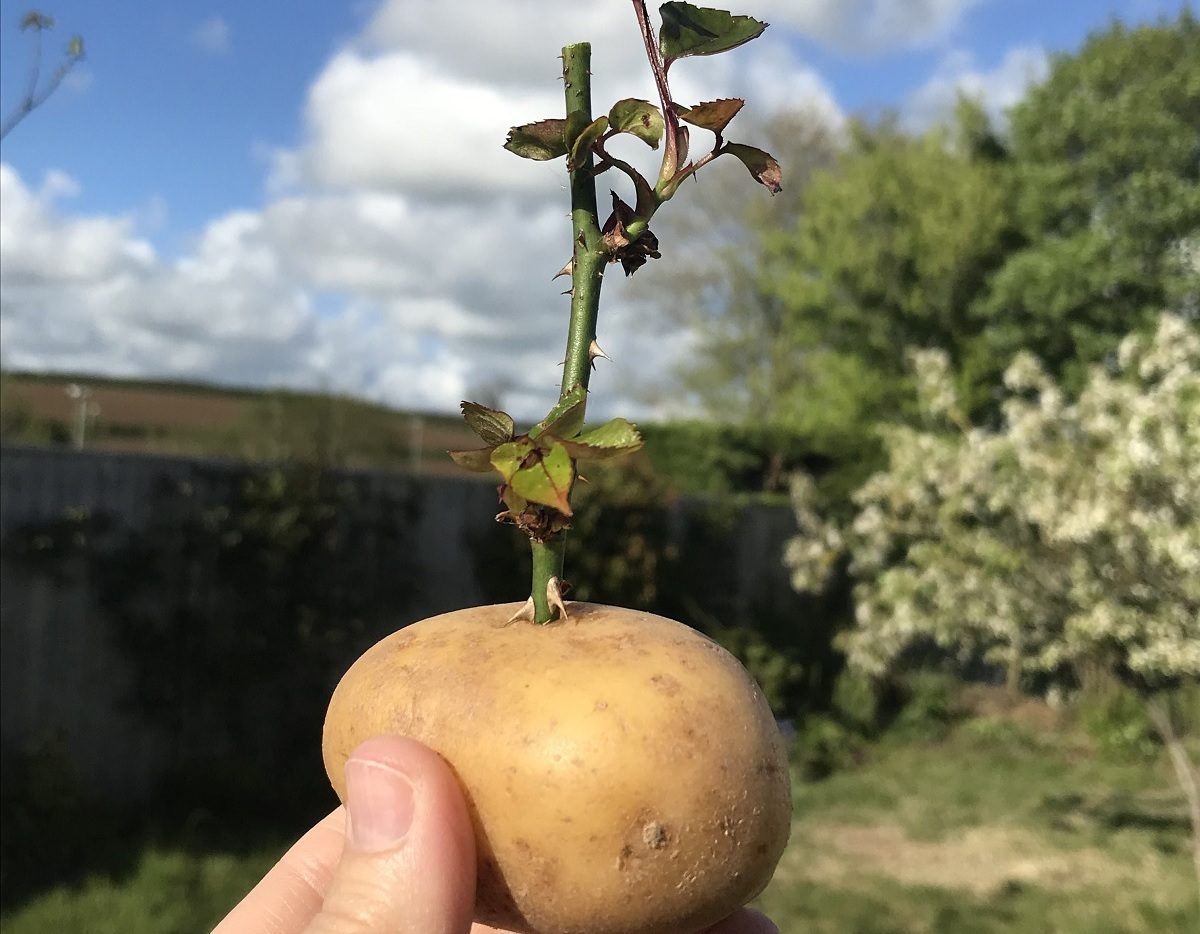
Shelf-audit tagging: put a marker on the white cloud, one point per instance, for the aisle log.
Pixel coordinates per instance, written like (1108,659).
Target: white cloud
(997,89)
(393,121)
(213,36)
(401,254)
(868,26)
(512,43)
(39,246)
(419,308)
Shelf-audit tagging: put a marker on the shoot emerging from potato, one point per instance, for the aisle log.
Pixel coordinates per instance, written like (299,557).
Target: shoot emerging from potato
(538,468)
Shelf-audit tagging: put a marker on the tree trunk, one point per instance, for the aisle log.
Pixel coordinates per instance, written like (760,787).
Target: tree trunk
(1185,773)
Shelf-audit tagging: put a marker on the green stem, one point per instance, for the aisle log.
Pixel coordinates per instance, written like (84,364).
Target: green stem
(588,254)
(588,261)
(547,563)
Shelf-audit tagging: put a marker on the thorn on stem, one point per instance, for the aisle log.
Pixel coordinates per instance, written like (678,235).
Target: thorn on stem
(595,350)
(554,598)
(525,614)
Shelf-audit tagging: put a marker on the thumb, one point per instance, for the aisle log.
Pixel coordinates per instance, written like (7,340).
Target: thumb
(409,862)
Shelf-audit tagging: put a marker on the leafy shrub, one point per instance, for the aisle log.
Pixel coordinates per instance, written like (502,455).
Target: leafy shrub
(857,700)
(928,706)
(1115,718)
(823,746)
(996,732)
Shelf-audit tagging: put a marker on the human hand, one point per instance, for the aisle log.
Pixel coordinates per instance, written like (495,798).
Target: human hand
(401,862)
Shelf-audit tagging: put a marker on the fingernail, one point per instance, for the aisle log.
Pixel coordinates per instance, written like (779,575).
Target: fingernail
(379,804)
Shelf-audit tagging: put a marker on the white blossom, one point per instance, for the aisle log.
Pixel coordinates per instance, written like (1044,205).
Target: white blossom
(1071,532)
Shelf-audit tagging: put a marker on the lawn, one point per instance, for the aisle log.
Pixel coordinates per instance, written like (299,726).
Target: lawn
(989,828)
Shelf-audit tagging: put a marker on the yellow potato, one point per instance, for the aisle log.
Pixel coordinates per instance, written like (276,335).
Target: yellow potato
(623,772)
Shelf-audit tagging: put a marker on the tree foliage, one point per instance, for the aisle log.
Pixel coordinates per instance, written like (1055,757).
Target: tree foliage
(742,368)
(1068,538)
(1106,172)
(1070,535)
(893,244)
(1072,226)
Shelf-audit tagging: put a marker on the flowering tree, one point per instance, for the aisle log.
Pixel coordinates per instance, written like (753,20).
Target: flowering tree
(1070,535)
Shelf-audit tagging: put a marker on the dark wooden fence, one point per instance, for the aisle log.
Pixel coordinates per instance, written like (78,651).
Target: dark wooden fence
(65,680)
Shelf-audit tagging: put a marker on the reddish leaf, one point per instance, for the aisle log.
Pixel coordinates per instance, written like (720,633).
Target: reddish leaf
(493,426)
(543,140)
(762,165)
(478,460)
(711,115)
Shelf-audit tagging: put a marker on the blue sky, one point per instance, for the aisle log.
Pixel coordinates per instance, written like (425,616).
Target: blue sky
(221,191)
(160,113)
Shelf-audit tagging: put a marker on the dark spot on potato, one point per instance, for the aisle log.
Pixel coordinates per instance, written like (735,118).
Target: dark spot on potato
(623,858)
(665,683)
(654,835)
(601,705)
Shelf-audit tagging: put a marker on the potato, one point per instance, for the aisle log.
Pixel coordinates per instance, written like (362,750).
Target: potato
(623,772)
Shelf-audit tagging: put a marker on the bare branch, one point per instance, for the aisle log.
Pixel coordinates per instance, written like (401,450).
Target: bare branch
(33,97)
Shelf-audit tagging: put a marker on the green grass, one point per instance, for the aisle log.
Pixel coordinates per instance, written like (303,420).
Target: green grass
(990,829)
(167,891)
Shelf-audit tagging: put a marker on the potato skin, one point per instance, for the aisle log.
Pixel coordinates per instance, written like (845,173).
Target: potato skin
(624,773)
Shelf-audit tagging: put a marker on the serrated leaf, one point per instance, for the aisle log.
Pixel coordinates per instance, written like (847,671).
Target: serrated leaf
(566,418)
(762,165)
(493,426)
(545,477)
(692,30)
(588,135)
(639,118)
(508,458)
(711,115)
(611,439)
(479,460)
(546,139)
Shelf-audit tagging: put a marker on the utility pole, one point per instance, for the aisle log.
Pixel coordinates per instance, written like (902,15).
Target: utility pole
(85,409)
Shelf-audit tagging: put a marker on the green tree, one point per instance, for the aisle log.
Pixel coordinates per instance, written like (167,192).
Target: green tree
(1067,539)
(891,246)
(1107,179)
(741,367)
(1078,225)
